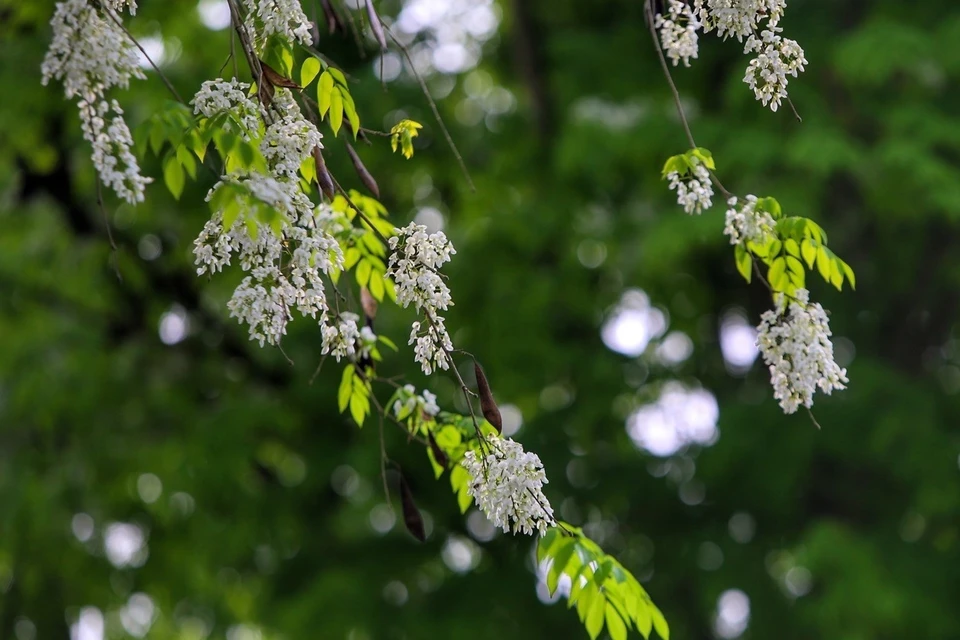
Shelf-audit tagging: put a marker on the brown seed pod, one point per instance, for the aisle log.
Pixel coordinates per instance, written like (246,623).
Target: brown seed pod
(487,403)
(276,78)
(333,20)
(369,304)
(323,176)
(438,453)
(376,26)
(411,515)
(361,170)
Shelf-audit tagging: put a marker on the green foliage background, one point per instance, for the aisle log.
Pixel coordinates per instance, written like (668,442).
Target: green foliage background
(90,398)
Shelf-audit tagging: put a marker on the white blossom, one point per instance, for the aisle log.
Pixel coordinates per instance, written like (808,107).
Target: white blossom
(738,18)
(284,18)
(91,54)
(340,339)
(117,5)
(678,32)
(287,142)
(746,224)
(228,96)
(694,193)
(413,265)
(507,484)
(794,339)
(408,401)
(776,59)
(285,271)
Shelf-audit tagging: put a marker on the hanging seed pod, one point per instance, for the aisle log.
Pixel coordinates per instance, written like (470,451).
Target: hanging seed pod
(361,170)
(438,453)
(333,20)
(411,515)
(487,403)
(376,26)
(323,176)
(275,78)
(369,304)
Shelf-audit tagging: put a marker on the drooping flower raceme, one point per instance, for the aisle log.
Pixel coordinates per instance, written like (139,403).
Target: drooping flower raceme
(678,32)
(91,54)
(507,485)
(414,267)
(340,339)
(408,401)
(738,18)
(694,192)
(746,224)
(284,18)
(285,271)
(794,339)
(777,58)
(232,97)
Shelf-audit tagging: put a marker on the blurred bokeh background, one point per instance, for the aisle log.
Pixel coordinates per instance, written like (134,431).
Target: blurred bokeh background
(162,477)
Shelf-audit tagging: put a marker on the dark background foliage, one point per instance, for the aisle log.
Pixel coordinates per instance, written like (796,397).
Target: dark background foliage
(264,517)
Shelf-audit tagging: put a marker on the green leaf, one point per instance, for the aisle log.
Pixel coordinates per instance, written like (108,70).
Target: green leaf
(823,263)
(376,286)
(847,271)
(673,163)
(641,614)
(546,543)
(704,156)
(173,175)
(337,75)
(561,557)
(350,257)
(363,272)
(309,70)
(792,247)
(836,276)
(794,265)
(336,111)
(776,276)
(809,252)
(659,623)
(615,626)
(387,341)
(346,388)
(744,262)
(324,92)
(359,405)
(187,161)
(594,621)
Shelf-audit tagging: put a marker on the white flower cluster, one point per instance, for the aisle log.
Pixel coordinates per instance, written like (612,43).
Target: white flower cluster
(507,485)
(118,5)
(284,18)
(222,96)
(409,401)
(340,339)
(738,18)
(90,54)
(414,263)
(777,58)
(756,21)
(285,271)
(678,32)
(795,342)
(746,224)
(285,267)
(287,142)
(694,193)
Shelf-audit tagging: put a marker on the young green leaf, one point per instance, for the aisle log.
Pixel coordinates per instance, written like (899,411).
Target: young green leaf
(324,92)
(336,111)
(173,175)
(615,626)
(309,70)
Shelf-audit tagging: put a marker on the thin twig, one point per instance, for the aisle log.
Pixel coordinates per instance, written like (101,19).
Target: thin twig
(115,256)
(360,213)
(163,77)
(815,423)
(678,103)
(323,359)
(795,114)
(433,105)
